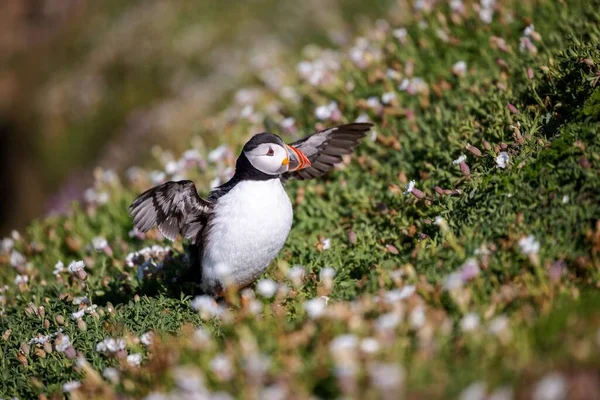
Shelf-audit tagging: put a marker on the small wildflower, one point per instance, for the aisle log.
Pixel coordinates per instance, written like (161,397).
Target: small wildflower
(459,68)
(71,386)
(369,345)
(387,322)
(410,188)
(77,268)
(551,387)
(59,267)
(328,112)
(189,380)
(460,159)
(207,306)
(326,243)
(296,275)
(134,359)
(99,243)
(17,259)
(469,322)
(387,377)
(110,345)
(62,343)
(502,160)
(218,154)
(343,346)
(6,245)
(147,338)
(112,374)
(475,391)
(326,276)
(388,97)
(499,325)
(79,314)
(400,33)
(565,199)
(221,367)
(529,245)
(266,288)
(21,279)
(418,317)
(315,308)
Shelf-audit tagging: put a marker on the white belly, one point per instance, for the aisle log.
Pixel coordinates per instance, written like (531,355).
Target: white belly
(249,228)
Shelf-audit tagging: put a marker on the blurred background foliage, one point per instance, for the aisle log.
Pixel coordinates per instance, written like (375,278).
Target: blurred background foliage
(86,83)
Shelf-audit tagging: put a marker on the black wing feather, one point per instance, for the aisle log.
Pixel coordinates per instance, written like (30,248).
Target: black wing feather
(324,149)
(174,207)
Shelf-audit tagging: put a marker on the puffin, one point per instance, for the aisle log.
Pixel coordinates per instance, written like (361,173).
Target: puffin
(240,228)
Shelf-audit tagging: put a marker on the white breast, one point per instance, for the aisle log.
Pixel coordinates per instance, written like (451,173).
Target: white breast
(249,228)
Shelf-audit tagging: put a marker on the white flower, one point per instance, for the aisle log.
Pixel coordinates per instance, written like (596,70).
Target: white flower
(552,387)
(296,275)
(501,393)
(326,243)
(134,359)
(71,386)
(202,337)
(6,245)
(369,345)
(459,68)
(343,346)
(475,391)
(469,322)
(417,317)
(394,296)
(327,274)
(373,102)
(99,243)
(502,160)
(76,266)
(565,199)
(82,299)
(499,325)
(460,159)
(112,374)
(410,187)
(529,30)
(40,339)
(288,123)
(529,245)
(217,154)
(21,279)
(58,268)
(387,322)
(266,288)
(362,118)
(207,306)
(147,338)
(453,281)
(78,314)
(16,259)
(400,33)
(326,112)
(222,367)
(486,15)
(315,308)
(157,177)
(388,97)
(387,376)
(65,342)
(110,345)
(456,5)
(189,380)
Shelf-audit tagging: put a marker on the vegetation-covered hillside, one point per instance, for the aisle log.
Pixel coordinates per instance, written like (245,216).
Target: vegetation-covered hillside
(456,254)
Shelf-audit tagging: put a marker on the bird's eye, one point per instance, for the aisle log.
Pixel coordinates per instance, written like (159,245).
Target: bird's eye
(270,152)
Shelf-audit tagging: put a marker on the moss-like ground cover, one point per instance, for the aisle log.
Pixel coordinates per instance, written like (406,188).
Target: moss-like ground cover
(479,278)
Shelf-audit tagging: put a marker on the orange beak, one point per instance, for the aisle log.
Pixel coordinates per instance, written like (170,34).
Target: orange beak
(297,159)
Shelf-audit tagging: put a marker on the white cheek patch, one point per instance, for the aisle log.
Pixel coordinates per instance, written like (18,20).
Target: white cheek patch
(272,165)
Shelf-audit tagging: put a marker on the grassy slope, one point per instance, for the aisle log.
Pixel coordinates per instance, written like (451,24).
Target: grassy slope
(552,318)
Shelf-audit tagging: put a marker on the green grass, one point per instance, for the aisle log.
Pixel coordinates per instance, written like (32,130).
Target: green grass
(529,315)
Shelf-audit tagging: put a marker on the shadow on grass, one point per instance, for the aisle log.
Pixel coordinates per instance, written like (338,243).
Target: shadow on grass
(174,277)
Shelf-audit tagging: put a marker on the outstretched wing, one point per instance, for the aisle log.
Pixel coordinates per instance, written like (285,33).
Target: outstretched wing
(324,149)
(174,207)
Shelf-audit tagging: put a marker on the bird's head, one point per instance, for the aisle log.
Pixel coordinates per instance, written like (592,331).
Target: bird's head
(270,155)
